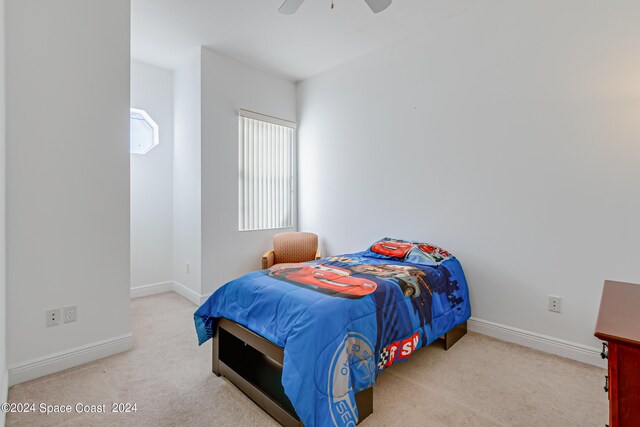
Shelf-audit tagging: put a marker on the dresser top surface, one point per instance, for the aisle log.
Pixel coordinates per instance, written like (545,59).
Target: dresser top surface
(619,316)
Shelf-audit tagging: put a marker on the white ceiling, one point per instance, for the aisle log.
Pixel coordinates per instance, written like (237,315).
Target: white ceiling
(296,46)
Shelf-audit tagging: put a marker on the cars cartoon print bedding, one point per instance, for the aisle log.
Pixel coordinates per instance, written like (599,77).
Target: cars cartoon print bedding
(344,319)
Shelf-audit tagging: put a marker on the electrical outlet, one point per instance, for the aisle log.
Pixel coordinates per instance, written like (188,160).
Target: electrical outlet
(53,317)
(70,314)
(188,268)
(555,303)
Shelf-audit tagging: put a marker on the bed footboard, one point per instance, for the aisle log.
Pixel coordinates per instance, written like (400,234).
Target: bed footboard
(254,365)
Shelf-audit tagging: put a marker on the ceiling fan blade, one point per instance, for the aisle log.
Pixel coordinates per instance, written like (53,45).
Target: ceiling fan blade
(378,5)
(289,7)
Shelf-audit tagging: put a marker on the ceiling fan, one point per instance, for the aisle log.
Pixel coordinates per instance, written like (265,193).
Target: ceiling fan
(289,7)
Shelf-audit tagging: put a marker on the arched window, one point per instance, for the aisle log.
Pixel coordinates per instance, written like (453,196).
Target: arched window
(143,134)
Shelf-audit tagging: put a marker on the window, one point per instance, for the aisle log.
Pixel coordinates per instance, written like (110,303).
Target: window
(143,132)
(266,148)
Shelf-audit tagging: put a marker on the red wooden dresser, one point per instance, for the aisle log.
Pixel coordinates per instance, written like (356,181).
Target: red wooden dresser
(619,327)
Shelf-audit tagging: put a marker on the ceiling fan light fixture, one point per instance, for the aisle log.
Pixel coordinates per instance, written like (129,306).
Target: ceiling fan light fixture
(378,6)
(289,7)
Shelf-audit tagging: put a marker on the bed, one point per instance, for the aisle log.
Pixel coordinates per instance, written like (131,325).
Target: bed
(307,341)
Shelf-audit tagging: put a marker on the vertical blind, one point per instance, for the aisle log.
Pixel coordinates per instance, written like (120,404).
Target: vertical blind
(266,173)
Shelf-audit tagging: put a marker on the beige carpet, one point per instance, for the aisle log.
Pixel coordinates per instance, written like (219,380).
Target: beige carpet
(479,382)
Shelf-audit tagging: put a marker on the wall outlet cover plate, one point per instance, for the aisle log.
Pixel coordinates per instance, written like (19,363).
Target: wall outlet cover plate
(70,314)
(53,317)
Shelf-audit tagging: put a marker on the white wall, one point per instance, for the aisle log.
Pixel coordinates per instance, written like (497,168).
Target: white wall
(152,181)
(227,86)
(209,90)
(3,284)
(186,174)
(67,175)
(507,133)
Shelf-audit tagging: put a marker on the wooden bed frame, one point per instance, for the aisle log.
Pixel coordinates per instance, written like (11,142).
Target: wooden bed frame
(254,365)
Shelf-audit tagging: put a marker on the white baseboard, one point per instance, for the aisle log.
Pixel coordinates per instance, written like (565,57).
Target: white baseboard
(204,297)
(189,294)
(557,346)
(160,288)
(4,393)
(56,362)
(152,289)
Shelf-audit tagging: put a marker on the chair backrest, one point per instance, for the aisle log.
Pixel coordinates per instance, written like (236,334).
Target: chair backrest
(294,247)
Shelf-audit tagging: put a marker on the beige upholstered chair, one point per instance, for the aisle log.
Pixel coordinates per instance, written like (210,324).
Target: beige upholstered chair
(291,247)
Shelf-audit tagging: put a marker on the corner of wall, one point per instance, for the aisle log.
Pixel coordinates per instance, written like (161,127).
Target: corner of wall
(187,223)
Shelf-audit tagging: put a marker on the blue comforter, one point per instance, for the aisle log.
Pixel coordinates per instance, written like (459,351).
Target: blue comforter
(341,321)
